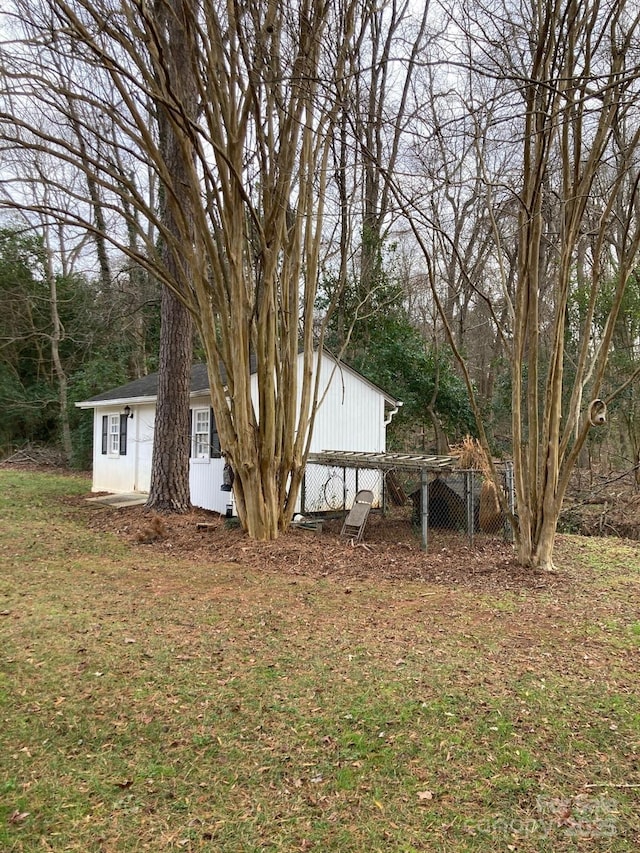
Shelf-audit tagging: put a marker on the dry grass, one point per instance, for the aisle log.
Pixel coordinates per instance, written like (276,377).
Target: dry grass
(471,455)
(164,697)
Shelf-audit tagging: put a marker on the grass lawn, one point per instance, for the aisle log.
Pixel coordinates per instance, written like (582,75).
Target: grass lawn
(150,701)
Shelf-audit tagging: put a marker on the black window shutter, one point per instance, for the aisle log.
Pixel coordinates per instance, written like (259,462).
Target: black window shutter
(214,438)
(123,435)
(105,434)
(192,448)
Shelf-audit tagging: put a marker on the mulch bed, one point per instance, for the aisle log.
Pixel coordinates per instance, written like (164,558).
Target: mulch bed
(390,550)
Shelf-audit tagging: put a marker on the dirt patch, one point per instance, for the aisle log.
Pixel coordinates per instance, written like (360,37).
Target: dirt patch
(391,549)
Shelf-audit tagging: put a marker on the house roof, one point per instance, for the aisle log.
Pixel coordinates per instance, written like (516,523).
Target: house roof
(146,388)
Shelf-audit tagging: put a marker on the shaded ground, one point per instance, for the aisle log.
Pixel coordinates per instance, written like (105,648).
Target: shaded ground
(391,549)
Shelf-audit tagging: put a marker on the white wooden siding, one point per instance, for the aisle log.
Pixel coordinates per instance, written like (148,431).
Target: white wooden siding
(131,472)
(350,417)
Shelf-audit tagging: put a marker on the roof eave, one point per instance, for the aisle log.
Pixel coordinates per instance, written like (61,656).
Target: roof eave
(115,401)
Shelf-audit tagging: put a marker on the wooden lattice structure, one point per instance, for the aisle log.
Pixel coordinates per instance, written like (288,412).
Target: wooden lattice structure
(429,467)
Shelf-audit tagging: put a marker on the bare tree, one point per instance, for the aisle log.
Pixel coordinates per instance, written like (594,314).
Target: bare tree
(60,250)
(384,103)
(378,99)
(248,204)
(562,81)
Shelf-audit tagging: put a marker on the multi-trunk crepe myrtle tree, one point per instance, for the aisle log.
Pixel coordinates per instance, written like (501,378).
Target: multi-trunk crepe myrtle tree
(542,100)
(231,110)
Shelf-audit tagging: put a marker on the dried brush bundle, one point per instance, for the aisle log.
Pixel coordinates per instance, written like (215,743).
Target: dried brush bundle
(471,455)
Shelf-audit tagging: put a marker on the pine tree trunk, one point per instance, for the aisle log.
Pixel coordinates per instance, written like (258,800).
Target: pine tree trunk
(169,491)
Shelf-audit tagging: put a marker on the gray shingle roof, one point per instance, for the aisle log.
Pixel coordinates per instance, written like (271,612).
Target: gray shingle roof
(147,386)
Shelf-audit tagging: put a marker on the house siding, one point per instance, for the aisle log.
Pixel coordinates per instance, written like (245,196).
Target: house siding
(130,472)
(205,479)
(350,417)
(205,475)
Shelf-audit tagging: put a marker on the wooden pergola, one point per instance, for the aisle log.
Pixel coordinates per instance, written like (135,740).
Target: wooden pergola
(423,463)
(384,461)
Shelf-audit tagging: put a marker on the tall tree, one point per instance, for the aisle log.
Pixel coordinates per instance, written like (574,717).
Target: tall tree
(384,103)
(169,489)
(379,101)
(561,80)
(44,335)
(249,206)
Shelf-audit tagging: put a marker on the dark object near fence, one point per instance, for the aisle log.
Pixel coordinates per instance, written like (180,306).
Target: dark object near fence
(490,516)
(394,489)
(447,509)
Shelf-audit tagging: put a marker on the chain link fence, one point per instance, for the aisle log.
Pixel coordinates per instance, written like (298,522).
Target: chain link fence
(461,501)
(464,501)
(332,488)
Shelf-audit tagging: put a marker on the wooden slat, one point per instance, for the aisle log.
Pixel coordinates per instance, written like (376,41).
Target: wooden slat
(383,461)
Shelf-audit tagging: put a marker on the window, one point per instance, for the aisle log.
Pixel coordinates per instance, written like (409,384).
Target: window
(205,441)
(201,420)
(114,434)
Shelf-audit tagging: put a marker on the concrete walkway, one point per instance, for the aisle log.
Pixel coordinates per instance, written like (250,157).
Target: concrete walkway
(123,499)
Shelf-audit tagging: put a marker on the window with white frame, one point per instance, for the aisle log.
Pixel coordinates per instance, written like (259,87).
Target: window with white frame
(114,435)
(201,433)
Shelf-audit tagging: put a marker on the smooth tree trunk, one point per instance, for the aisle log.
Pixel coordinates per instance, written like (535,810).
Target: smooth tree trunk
(56,338)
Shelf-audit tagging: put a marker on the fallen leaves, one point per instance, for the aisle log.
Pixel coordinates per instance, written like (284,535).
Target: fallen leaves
(391,551)
(425,796)
(18,817)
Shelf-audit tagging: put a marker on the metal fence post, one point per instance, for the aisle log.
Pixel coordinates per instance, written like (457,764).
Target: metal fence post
(303,491)
(469,484)
(511,497)
(424,479)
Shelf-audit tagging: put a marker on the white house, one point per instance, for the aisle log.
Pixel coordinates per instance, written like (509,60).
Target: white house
(353,415)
